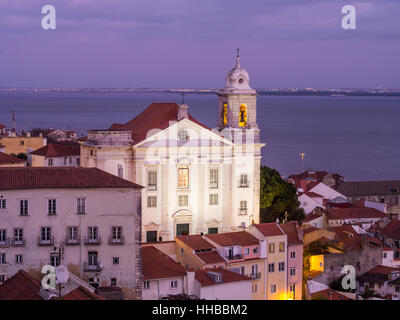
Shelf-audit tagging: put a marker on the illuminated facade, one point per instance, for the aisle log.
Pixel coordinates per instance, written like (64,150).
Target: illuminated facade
(196,179)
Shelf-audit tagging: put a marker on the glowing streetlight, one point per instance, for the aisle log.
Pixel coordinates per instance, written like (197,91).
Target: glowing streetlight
(302,160)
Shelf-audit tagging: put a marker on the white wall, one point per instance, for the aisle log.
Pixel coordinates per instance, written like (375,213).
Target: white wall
(162,287)
(238,290)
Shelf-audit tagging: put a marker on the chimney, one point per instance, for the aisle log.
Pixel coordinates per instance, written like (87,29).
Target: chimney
(183,111)
(28,134)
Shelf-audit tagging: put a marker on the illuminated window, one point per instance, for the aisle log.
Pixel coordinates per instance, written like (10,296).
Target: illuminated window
(183,176)
(281,247)
(273,288)
(243,115)
(225,115)
(271,247)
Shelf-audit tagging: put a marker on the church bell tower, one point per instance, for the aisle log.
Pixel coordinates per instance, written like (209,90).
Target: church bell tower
(237,105)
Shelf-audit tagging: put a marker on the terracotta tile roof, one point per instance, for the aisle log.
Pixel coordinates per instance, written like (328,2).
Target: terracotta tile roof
(369,188)
(311,194)
(196,242)
(351,239)
(269,229)
(242,238)
(378,274)
(227,276)
(210,257)
(156,116)
(387,249)
(20,286)
(311,216)
(355,213)
(81,293)
(392,230)
(58,150)
(291,229)
(157,265)
(310,229)
(329,294)
(59,177)
(2,126)
(7,159)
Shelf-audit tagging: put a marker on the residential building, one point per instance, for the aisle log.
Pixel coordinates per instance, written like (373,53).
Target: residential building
(273,247)
(383,280)
(385,191)
(197,180)
(162,276)
(62,135)
(294,259)
(354,215)
(83,218)
(22,144)
(2,129)
(56,155)
(241,251)
(220,284)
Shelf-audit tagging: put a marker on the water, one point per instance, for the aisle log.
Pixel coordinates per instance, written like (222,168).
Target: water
(357,137)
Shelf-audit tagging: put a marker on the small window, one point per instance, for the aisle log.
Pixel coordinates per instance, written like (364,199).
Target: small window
(281,266)
(2,278)
(273,288)
(3,258)
(255,250)
(54,260)
(281,247)
(183,176)
(120,171)
(254,288)
(115,260)
(151,236)
(22,142)
(52,207)
(174,284)
(18,259)
(212,230)
(244,183)
(151,202)
(81,205)
(152,180)
(50,162)
(213,178)
(292,271)
(183,200)
(293,254)
(23,207)
(3,204)
(146,285)
(243,207)
(271,267)
(246,251)
(213,199)
(271,247)
(113,281)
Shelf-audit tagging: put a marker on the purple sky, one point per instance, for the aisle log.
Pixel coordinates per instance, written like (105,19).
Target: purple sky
(192,43)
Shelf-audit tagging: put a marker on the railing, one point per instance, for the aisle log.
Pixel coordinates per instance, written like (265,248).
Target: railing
(244,184)
(81,210)
(243,211)
(5,243)
(18,242)
(235,257)
(72,241)
(45,242)
(93,241)
(255,276)
(152,187)
(91,267)
(114,241)
(213,185)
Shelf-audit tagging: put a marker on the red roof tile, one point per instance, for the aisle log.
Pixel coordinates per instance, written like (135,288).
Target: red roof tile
(81,293)
(7,159)
(355,213)
(387,249)
(292,232)
(329,294)
(227,276)
(58,150)
(2,126)
(311,216)
(156,116)
(241,238)
(157,265)
(269,229)
(196,242)
(20,286)
(210,257)
(310,229)
(59,177)
(392,230)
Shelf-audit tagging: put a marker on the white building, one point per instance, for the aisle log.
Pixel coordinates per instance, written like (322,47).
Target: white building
(56,155)
(197,179)
(83,218)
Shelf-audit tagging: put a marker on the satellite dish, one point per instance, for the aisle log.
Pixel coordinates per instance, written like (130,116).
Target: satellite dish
(62,274)
(101,265)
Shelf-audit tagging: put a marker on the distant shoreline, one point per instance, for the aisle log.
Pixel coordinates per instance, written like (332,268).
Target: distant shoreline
(264,92)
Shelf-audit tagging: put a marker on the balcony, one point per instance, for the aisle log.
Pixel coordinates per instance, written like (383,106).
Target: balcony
(255,276)
(72,241)
(18,242)
(213,185)
(45,242)
(152,187)
(4,243)
(243,184)
(243,212)
(81,210)
(93,241)
(116,241)
(235,257)
(91,267)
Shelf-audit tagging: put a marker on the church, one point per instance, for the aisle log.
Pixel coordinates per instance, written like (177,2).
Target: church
(196,179)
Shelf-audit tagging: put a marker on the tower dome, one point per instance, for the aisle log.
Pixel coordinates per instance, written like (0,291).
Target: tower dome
(238,78)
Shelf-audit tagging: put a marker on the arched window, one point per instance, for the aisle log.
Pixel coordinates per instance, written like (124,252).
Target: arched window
(243,116)
(120,171)
(183,176)
(225,115)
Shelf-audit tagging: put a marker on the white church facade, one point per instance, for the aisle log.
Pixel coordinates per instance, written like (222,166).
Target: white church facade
(196,179)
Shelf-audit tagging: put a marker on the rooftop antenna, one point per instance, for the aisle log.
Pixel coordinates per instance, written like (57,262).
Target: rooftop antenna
(183,98)
(238,58)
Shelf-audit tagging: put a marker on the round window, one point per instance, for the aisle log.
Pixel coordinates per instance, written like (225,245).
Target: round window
(183,135)
(241,80)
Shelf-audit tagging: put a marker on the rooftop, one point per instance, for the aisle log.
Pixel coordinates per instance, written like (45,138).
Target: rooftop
(241,238)
(369,188)
(210,257)
(21,286)
(58,150)
(196,242)
(227,276)
(355,213)
(269,229)
(157,265)
(292,231)
(59,177)
(7,159)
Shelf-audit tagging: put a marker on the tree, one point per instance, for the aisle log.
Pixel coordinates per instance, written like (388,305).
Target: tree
(277,197)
